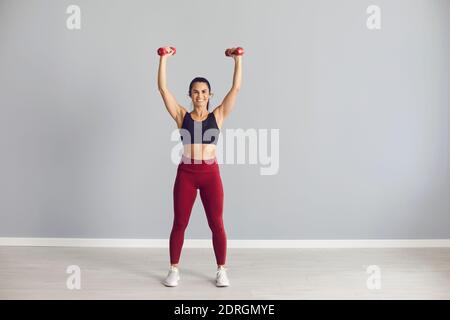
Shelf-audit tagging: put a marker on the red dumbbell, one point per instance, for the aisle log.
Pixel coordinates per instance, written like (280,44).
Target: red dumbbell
(238,51)
(162,51)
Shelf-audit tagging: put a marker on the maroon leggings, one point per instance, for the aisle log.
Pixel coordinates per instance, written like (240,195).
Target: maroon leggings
(205,176)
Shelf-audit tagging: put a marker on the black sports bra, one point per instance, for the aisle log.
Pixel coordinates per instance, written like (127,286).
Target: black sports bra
(201,132)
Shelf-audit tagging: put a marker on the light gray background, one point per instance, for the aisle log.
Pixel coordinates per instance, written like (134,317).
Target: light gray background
(363,117)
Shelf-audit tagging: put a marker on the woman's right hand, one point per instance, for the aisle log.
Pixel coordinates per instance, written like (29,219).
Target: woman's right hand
(169,52)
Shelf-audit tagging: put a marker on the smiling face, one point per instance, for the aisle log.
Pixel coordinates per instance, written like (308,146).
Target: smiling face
(200,94)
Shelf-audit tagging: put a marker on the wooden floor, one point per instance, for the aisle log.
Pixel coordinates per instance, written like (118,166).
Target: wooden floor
(136,273)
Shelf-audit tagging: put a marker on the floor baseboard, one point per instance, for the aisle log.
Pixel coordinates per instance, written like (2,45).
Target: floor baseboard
(207,243)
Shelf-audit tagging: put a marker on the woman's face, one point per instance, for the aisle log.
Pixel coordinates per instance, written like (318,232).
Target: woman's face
(200,94)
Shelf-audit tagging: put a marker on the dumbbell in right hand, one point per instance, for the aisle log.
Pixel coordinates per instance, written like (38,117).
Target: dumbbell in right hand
(239,51)
(163,51)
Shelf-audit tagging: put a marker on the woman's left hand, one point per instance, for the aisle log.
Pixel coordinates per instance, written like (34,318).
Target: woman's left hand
(230,53)
(236,57)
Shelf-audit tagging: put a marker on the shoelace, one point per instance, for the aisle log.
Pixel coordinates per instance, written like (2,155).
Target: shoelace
(173,270)
(221,273)
(172,273)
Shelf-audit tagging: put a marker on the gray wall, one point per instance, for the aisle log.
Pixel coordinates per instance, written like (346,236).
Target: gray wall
(363,117)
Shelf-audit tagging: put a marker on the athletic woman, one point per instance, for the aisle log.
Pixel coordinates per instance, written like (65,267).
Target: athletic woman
(198,168)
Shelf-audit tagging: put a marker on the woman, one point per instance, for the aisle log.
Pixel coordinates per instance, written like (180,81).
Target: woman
(198,168)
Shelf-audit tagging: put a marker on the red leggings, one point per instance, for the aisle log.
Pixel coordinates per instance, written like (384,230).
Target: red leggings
(192,175)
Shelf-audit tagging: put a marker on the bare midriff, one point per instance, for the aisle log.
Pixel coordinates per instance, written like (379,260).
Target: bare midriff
(199,151)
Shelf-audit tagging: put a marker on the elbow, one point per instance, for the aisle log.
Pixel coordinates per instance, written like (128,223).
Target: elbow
(162,90)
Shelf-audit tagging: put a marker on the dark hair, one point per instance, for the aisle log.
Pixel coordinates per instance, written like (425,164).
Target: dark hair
(200,79)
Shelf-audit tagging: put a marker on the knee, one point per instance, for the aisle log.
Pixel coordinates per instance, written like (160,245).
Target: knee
(217,226)
(179,225)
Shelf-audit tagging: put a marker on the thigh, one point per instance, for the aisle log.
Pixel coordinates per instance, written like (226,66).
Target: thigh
(184,194)
(211,193)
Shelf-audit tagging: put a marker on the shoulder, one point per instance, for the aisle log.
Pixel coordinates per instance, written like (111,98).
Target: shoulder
(181,115)
(219,116)
(183,110)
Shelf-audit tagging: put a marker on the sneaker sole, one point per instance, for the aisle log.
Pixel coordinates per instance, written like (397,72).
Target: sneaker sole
(170,284)
(222,285)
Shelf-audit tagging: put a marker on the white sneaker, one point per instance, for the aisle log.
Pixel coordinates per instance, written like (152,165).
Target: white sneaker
(222,278)
(172,278)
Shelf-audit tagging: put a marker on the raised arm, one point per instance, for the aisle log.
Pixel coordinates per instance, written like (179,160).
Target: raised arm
(172,106)
(228,102)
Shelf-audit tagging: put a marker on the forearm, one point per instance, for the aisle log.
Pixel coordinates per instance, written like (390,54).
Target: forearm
(237,76)
(162,84)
